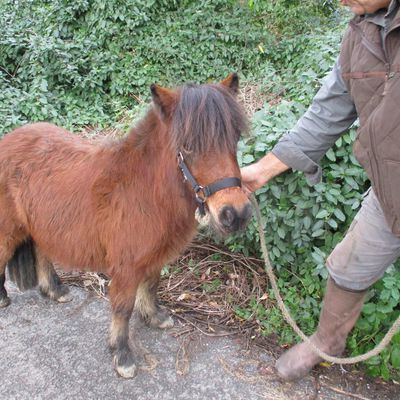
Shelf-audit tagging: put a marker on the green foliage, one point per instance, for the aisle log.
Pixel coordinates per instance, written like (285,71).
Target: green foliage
(212,286)
(379,312)
(288,17)
(85,62)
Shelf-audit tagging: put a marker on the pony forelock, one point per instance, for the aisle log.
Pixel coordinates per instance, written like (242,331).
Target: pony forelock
(207,117)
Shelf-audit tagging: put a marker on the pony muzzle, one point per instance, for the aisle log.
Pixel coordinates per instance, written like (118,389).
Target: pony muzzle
(232,219)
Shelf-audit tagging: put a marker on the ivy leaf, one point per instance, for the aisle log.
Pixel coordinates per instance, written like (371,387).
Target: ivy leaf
(395,357)
(292,187)
(281,232)
(339,214)
(318,233)
(396,293)
(330,154)
(396,339)
(385,374)
(332,223)
(322,214)
(307,222)
(247,159)
(369,308)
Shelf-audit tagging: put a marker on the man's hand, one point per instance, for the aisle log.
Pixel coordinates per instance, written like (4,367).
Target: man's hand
(258,174)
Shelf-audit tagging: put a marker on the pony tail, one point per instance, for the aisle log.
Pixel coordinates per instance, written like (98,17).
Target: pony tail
(22,266)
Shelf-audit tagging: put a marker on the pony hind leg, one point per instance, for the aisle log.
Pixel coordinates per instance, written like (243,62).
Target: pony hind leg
(4,299)
(9,245)
(6,253)
(147,305)
(49,282)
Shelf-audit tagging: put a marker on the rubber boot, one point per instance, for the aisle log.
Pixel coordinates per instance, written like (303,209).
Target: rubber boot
(339,314)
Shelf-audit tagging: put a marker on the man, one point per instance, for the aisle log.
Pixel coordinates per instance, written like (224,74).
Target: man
(364,83)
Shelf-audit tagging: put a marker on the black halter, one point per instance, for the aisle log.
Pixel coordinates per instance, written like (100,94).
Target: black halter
(203,192)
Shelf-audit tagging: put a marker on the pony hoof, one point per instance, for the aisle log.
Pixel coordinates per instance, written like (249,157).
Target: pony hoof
(66,298)
(162,322)
(59,294)
(126,371)
(4,302)
(167,323)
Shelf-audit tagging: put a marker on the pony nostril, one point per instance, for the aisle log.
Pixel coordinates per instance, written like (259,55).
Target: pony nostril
(227,216)
(234,220)
(245,215)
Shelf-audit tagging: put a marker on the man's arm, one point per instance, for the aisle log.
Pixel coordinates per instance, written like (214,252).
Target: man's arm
(331,113)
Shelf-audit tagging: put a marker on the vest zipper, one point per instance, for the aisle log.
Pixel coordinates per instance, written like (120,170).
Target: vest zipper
(389,73)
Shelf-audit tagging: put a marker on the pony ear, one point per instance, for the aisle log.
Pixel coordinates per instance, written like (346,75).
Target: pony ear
(231,82)
(164,99)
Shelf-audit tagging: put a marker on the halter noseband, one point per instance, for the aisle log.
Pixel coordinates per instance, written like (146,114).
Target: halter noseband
(205,191)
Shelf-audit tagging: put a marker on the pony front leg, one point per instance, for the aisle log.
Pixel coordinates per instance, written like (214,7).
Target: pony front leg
(122,298)
(147,306)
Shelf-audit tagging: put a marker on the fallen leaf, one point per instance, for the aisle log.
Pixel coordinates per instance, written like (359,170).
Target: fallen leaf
(325,364)
(184,296)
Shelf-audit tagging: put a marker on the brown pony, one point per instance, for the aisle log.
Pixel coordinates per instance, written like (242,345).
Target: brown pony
(124,208)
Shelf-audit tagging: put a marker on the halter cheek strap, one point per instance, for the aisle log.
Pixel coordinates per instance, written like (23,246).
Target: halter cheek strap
(203,192)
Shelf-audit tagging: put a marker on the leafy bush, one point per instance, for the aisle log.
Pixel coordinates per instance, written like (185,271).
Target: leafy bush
(84,62)
(289,17)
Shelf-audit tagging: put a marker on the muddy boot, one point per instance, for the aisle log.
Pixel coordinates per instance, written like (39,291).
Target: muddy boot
(339,314)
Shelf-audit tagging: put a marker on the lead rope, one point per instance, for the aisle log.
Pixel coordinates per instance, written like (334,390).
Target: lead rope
(337,360)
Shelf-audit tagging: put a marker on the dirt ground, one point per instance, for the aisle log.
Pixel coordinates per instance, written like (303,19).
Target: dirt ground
(59,351)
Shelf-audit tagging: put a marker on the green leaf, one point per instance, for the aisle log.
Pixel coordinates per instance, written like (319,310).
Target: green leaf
(248,159)
(317,257)
(339,214)
(331,155)
(355,205)
(322,214)
(276,191)
(396,339)
(369,308)
(276,252)
(384,308)
(292,187)
(395,357)
(281,232)
(318,233)
(332,223)
(385,374)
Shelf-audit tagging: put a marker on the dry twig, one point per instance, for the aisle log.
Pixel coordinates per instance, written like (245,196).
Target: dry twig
(343,392)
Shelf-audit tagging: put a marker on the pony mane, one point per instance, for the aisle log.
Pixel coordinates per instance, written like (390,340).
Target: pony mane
(207,118)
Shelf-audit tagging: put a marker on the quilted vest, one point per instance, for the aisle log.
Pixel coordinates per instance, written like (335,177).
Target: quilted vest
(371,72)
